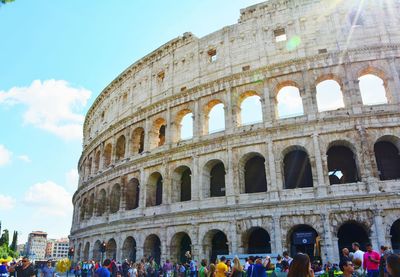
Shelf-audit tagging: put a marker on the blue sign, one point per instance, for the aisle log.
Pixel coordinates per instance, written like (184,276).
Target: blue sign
(301,238)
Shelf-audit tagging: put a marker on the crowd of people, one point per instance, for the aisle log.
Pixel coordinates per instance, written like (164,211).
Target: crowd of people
(356,263)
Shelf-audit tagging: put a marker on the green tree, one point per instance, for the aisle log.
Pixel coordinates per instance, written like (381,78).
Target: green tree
(14,242)
(6,1)
(5,238)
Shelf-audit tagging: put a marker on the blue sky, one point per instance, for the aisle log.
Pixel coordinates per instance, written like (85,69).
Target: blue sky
(55,58)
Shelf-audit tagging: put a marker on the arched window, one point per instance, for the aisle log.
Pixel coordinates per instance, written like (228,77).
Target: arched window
(182,184)
(111,249)
(372,90)
(152,247)
(120,150)
(254,175)
(180,245)
(101,203)
(129,249)
(83,209)
(107,155)
(215,117)
(138,140)
(217,180)
(341,165)
(157,133)
(91,205)
(303,239)
(97,161)
(387,159)
(186,126)
(257,240)
(250,109)
(154,190)
(350,232)
(329,96)
(290,103)
(115,198)
(86,251)
(96,251)
(132,194)
(297,170)
(161,135)
(395,236)
(89,165)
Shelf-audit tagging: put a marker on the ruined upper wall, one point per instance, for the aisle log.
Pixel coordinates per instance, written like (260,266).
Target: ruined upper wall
(311,26)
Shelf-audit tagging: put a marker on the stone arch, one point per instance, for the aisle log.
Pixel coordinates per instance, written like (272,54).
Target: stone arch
(395,236)
(182,184)
(387,157)
(120,148)
(79,252)
(137,140)
(288,100)
(152,247)
(215,243)
(184,125)
(91,205)
(256,240)
(132,193)
(352,231)
(96,251)
(101,202)
(115,198)
(97,161)
(180,244)
(86,250)
(83,209)
(296,168)
(89,167)
(107,155)
(111,249)
(250,108)
(252,173)
(214,117)
(373,86)
(154,190)
(342,163)
(157,133)
(129,249)
(305,239)
(329,95)
(214,178)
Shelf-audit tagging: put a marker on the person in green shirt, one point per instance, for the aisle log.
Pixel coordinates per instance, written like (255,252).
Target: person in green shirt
(203,271)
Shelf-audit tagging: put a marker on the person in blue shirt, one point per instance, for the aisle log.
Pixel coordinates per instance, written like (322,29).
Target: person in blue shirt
(48,270)
(104,270)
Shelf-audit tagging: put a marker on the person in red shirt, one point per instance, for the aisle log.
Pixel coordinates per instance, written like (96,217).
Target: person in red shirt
(371,261)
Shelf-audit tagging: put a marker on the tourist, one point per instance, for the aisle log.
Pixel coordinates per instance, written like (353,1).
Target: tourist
(229,265)
(385,251)
(237,269)
(125,268)
(192,267)
(24,269)
(260,268)
(132,270)
(77,270)
(287,258)
(278,265)
(300,266)
(48,270)
(221,268)
(203,271)
(104,271)
(251,266)
(3,269)
(182,270)
(347,268)
(358,254)
(393,265)
(358,269)
(167,268)
(346,255)
(246,264)
(211,272)
(371,261)
(141,271)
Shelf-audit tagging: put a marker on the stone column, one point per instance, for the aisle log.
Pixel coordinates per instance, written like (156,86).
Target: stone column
(353,90)
(394,85)
(321,186)
(142,190)
(101,163)
(277,234)
(122,202)
(229,116)
(114,151)
(379,229)
(119,242)
(266,107)
(196,121)
(308,95)
(233,238)
(272,170)
(230,189)
(168,128)
(327,246)
(164,245)
(196,186)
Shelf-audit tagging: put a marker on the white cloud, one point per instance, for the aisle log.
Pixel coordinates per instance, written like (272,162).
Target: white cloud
(52,105)
(5,155)
(72,179)
(24,158)
(48,199)
(6,202)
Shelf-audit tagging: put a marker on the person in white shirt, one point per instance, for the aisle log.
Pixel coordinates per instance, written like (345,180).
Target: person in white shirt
(358,254)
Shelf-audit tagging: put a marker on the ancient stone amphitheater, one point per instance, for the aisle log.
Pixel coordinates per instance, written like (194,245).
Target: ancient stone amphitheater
(278,175)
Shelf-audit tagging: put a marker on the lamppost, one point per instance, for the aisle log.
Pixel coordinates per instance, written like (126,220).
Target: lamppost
(102,250)
(70,256)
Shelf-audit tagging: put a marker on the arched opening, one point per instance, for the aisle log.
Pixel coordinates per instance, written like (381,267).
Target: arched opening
(89,165)
(120,148)
(154,190)
(107,155)
(341,165)
(83,210)
(215,117)
(290,103)
(152,247)
(297,170)
(96,251)
(387,159)
(78,253)
(329,96)
(303,238)
(254,175)
(161,135)
(350,232)
(138,140)
(157,133)
(101,202)
(219,244)
(97,162)
(250,109)
(217,179)
(186,126)
(132,194)
(91,205)
(115,198)
(182,184)
(129,249)
(180,244)
(111,249)
(257,241)
(395,236)
(86,251)
(372,90)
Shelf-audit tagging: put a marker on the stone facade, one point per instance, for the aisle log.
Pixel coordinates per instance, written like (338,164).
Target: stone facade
(134,168)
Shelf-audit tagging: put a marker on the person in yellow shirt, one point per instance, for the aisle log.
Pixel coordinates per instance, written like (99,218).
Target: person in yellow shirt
(221,268)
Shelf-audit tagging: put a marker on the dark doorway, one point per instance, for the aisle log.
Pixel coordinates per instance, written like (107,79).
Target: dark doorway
(341,165)
(388,160)
(219,245)
(129,249)
(304,239)
(186,185)
(351,232)
(132,194)
(254,175)
(297,170)
(395,236)
(161,135)
(217,180)
(184,246)
(259,241)
(159,190)
(152,247)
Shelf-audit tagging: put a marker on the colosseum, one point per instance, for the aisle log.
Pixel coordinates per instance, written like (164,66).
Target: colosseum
(280,132)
